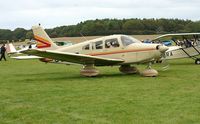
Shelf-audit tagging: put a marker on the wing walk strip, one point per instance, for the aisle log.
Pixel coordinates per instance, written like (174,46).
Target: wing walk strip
(120,51)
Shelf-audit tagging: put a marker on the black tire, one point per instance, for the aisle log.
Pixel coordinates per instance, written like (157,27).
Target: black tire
(197,61)
(158,61)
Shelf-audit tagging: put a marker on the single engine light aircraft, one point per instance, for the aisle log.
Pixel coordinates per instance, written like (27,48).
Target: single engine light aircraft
(121,50)
(183,45)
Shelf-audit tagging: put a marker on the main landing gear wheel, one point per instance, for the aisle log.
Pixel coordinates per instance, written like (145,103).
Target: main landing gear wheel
(149,72)
(197,61)
(89,71)
(127,69)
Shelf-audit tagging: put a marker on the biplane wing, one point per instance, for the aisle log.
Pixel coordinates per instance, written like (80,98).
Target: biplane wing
(179,36)
(186,45)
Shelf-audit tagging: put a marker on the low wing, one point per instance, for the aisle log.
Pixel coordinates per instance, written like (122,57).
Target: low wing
(180,36)
(73,58)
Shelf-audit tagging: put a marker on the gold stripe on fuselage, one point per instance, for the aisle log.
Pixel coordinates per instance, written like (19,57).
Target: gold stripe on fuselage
(120,51)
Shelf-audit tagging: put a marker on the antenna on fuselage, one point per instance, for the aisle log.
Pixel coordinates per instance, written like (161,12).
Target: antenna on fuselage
(83,36)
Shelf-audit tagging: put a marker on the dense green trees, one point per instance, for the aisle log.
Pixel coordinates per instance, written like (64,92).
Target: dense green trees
(6,34)
(110,26)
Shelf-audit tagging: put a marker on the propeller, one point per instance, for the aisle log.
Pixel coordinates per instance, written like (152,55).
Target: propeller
(164,62)
(162,59)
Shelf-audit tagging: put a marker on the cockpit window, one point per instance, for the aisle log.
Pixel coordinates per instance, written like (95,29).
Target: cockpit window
(86,47)
(126,40)
(111,43)
(99,45)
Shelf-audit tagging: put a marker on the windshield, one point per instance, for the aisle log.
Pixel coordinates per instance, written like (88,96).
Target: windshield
(128,40)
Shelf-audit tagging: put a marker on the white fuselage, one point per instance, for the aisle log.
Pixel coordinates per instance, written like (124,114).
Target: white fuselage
(121,49)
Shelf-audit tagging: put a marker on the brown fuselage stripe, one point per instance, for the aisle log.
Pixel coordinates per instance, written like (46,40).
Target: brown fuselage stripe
(121,51)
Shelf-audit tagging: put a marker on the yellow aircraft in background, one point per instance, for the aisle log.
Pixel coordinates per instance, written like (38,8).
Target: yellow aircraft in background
(121,50)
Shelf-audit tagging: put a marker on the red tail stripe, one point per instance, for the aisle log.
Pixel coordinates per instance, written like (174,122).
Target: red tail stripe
(45,43)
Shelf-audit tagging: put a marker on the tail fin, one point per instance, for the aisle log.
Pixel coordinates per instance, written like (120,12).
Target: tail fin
(10,48)
(42,39)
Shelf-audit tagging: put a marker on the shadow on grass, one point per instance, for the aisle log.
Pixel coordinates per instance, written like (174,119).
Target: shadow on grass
(173,63)
(60,76)
(182,62)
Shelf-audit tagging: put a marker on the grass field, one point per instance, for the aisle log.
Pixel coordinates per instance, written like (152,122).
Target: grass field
(32,92)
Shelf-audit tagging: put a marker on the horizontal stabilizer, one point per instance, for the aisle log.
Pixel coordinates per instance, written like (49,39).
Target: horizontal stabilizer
(26,57)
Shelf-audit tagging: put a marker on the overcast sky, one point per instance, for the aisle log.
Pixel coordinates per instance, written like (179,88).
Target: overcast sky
(52,13)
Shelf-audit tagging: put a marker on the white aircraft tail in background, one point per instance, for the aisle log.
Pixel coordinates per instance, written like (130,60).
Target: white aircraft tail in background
(12,51)
(10,48)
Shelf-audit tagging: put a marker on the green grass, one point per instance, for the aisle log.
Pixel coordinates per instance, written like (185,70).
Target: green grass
(32,92)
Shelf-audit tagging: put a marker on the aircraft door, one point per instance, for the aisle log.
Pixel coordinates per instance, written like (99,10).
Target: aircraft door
(127,55)
(112,48)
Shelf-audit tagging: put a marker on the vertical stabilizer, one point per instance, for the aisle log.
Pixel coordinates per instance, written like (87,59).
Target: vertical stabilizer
(42,39)
(10,48)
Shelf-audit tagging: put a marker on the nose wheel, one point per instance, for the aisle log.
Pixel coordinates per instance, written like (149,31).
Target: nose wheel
(149,72)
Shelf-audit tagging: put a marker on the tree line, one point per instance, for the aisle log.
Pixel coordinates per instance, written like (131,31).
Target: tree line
(107,27)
